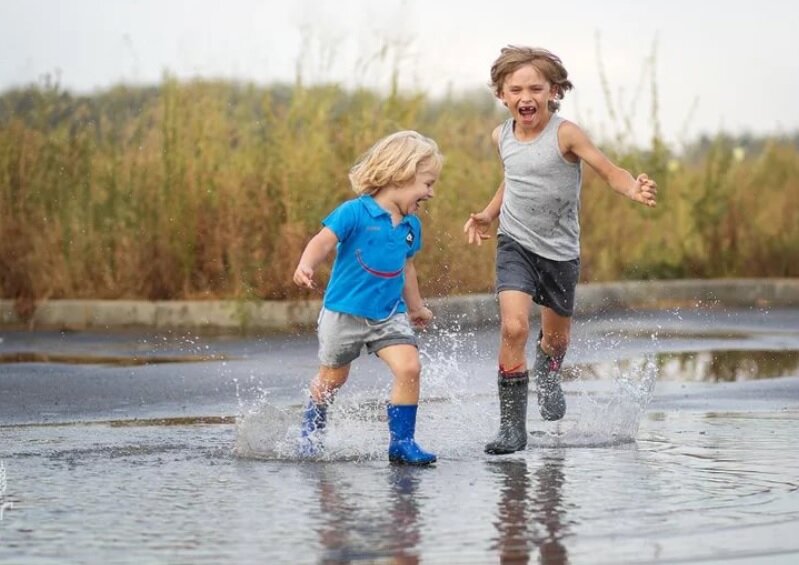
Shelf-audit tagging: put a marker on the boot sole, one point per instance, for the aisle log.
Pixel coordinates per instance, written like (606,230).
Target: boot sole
(397,461)
(503,451)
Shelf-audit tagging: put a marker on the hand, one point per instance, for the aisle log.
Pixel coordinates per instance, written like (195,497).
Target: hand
(645,191)
(303,276)
(421,317)
(476,228)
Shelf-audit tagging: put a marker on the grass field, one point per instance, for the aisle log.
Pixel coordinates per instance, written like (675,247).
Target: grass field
(210,190)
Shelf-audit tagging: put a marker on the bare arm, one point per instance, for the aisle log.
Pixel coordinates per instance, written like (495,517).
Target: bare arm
(418,313)
(641,189)
(476,227)
(317,250)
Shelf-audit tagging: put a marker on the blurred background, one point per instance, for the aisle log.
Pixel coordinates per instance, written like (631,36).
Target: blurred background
(189,149)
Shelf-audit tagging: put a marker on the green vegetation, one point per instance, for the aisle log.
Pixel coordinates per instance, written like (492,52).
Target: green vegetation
(210,190)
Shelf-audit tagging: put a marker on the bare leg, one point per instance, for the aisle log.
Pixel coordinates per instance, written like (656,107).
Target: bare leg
(327,382)
(556,330)
(550,350)
(403,361)
(512,379)
(514,312)
(314,418)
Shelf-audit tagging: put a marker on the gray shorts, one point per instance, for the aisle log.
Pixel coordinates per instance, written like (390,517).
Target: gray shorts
(342,336)
(550,283)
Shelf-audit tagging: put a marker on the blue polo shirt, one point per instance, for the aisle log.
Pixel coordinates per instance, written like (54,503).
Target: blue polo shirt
(369,271)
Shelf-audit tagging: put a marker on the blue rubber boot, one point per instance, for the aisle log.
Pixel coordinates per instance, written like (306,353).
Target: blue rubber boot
(402,427)
(314,422)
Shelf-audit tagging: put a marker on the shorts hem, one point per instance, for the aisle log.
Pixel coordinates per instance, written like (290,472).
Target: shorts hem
(557,309)
(519,288)
(337,365)
(393,341)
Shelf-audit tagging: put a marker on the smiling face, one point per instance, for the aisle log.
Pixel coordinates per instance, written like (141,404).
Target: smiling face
(526,93)
(420,189)
(401,200)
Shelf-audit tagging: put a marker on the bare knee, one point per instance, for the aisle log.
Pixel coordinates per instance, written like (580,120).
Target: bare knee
(409,373)
(327,382)
(515,331)
(555,343)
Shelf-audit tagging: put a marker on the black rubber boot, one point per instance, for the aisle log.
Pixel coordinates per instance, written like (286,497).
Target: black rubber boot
(551,402)
(512,434)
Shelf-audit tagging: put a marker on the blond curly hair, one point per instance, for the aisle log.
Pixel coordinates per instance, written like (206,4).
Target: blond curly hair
(394,160)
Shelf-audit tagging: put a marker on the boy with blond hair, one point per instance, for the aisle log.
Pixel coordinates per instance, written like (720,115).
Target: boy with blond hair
(373,297)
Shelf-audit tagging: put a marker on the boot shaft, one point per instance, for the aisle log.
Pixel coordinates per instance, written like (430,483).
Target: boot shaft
(402,427)
(314,418)
(402,421)
(512,388)
(512,435)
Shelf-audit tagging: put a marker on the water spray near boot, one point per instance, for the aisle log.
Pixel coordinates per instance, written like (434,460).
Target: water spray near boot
(401,425)
(312,428)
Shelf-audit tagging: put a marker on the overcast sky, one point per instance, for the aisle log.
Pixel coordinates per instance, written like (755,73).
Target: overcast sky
(721,65)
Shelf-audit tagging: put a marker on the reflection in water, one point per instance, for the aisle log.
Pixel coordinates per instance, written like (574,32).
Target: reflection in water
(353,527)
(702,366)
(734,365)
(531,520)
(404,513)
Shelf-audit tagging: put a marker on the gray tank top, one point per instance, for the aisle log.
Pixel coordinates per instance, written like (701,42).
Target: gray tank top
(541,205)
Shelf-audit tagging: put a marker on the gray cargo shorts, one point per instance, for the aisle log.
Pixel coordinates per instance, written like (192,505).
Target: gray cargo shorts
(342,337)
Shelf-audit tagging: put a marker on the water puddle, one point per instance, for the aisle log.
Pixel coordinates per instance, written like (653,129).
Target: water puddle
(627,476)
(118,360)
(456,417)
(701,366)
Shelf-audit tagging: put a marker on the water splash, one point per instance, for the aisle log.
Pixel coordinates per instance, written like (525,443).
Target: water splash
(450,415)
(601,418)
(458,410)
(357,431)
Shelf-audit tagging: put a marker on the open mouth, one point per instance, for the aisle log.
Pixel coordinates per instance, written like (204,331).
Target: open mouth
(417,204)
(527,111)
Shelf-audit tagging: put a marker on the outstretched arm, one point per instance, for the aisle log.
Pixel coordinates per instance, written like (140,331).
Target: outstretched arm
(641,188)
(476,227)
(418,313)
(315,252)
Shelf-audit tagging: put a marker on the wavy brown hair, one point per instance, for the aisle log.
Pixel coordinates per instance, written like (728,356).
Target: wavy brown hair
(513,57)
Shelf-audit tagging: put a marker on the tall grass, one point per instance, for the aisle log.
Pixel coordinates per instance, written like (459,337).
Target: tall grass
(211,190)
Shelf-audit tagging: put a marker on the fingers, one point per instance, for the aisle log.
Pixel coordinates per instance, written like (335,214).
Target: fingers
(304,277)
(420,323)
(475,229)
(475,235)
(421,318)
(649,193)
(471,230)
(469,224)
(647,190)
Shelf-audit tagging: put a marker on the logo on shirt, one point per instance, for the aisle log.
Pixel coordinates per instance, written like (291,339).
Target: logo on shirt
(409,239)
